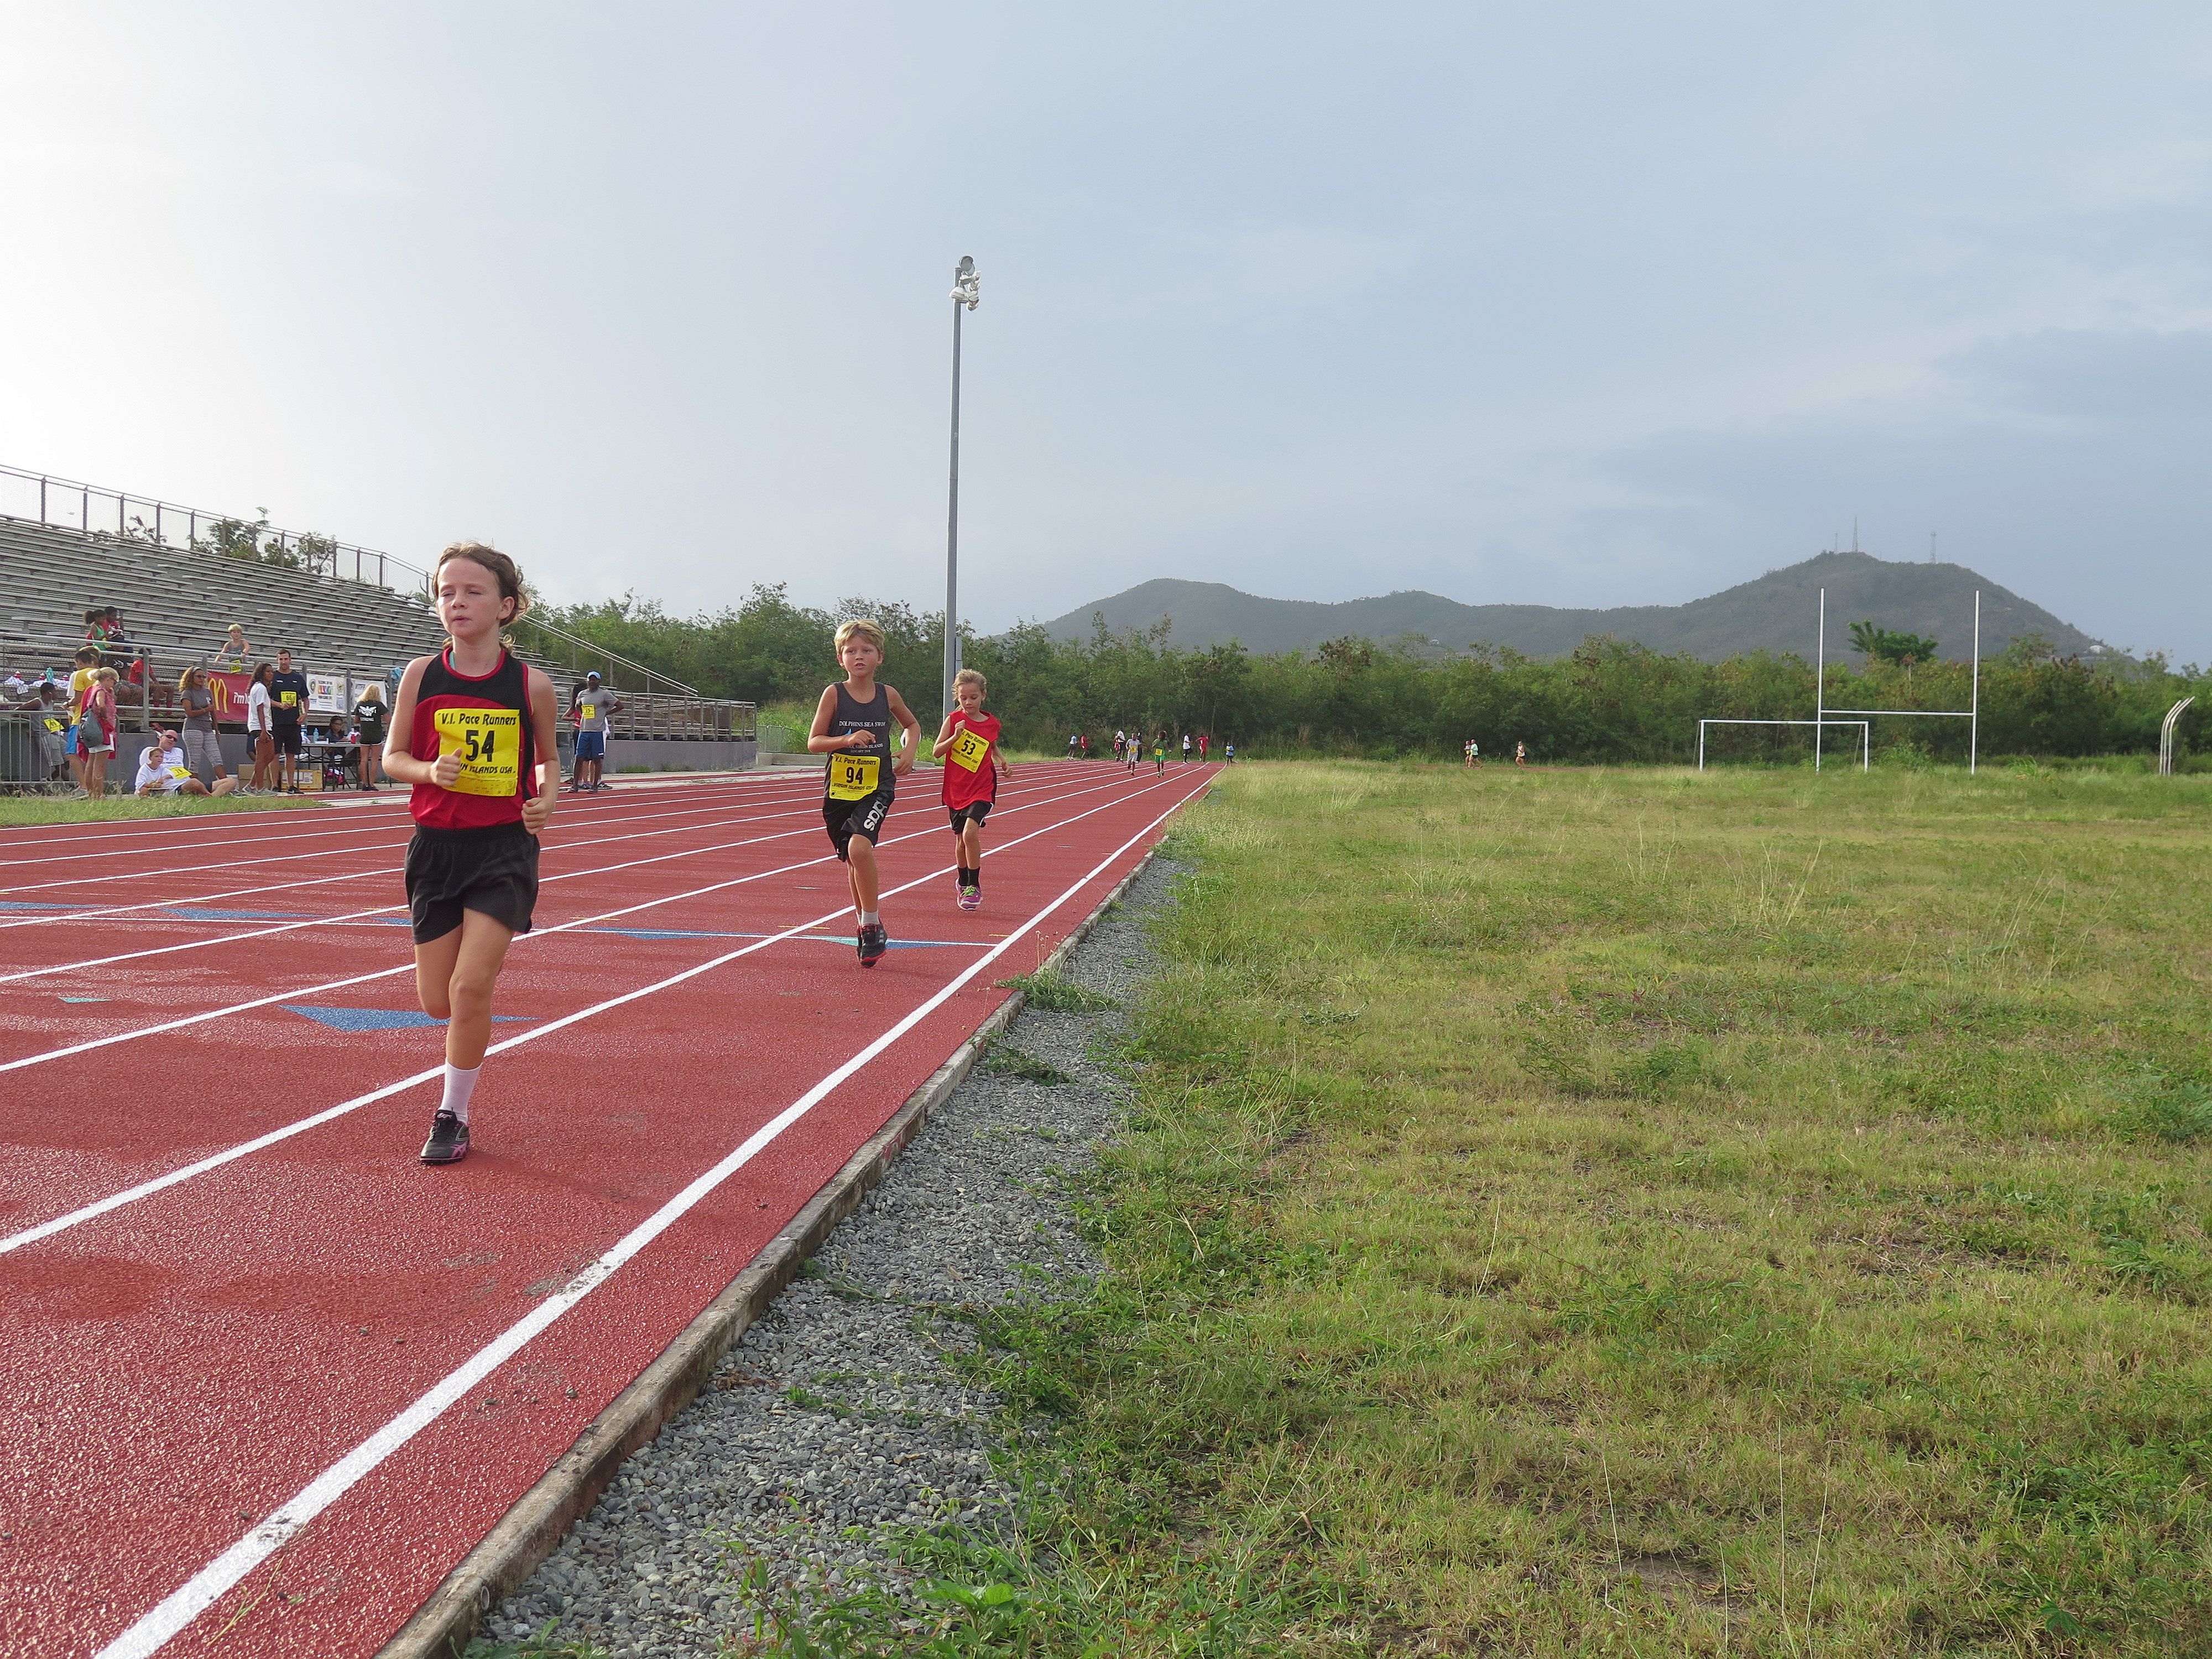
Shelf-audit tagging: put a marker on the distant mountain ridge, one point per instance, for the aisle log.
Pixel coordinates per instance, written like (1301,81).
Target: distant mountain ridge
(1776,613)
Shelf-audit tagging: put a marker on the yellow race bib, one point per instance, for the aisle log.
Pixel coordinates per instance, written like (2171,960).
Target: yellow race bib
(853,777)
(288,699)
(489,742)
(53,725)
(969,749)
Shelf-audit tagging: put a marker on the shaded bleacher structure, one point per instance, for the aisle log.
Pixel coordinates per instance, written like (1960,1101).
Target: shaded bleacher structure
(180,577)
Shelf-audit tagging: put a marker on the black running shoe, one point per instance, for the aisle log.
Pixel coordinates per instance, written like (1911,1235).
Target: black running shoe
(448,1142)
(873,943)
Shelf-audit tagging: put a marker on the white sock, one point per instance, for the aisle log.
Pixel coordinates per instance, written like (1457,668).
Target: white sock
(869,918)
(459,1085)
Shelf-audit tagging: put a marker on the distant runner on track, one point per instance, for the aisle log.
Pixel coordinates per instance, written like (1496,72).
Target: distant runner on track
(851,719)
(969,746)
(489,719)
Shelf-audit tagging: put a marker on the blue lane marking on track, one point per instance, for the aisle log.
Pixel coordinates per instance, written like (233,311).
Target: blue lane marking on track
(29,904)
(197,913)
(381,1019)
(84,998)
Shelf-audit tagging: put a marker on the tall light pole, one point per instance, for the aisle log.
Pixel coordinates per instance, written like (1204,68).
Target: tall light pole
(966,294)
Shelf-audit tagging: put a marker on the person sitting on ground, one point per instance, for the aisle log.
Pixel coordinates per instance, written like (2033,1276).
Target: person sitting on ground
(590,707)
(163,771)
(234,652)
(202,751)
(371,716)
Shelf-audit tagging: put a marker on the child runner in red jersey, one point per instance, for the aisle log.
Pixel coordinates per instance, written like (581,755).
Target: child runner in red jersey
(472,730)
(853,727)
(968,744)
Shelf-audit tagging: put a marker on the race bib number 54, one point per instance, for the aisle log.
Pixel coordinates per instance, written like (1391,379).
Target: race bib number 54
(969,748)
(489,742)
(853,777)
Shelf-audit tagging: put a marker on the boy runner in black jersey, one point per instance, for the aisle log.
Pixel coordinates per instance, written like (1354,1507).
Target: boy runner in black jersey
(852,727)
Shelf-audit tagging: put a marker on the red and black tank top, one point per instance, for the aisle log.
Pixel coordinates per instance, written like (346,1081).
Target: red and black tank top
(487,722)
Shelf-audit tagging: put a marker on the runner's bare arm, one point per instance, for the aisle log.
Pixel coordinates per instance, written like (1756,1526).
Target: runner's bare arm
(912,742)
(543,719)
(400,764)
(819,741)
(944,740)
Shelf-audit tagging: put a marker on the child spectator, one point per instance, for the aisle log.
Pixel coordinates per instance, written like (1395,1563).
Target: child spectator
(163,771)
(234,652)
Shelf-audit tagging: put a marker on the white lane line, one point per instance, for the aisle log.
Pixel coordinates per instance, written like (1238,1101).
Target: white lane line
(232,1154)
(180,832)
(152,1632)
(157,869)
(299,992)
(592,842)
(344,917)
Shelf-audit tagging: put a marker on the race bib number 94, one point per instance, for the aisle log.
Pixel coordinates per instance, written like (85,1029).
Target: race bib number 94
(489,742)
(853,777)
(969,749)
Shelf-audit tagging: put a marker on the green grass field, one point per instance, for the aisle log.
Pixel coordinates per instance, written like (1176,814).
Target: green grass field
(1648,1213)
(61,809)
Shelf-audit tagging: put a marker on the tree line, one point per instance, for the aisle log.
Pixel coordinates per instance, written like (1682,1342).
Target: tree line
(1608,700)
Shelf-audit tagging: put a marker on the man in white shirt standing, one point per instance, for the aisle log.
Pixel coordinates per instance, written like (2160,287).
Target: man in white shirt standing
(163,771)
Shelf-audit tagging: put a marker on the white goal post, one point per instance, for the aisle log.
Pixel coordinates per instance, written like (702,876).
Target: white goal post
(1971,715)
(1866,742)
(1824,717)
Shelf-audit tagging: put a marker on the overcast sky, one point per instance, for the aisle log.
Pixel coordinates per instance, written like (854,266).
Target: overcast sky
(1571,304)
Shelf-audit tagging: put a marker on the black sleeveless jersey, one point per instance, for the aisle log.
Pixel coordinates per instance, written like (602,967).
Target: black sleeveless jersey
(874,718)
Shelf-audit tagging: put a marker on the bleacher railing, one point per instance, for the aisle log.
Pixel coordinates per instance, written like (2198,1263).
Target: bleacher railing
(117,515)
(641,715)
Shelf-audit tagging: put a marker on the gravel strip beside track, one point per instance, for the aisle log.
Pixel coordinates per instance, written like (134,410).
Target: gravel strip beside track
(835,1418)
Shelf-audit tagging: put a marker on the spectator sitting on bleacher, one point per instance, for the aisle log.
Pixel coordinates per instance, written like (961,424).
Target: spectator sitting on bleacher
(201,747)
(232,654)
(163,771)
(95,626)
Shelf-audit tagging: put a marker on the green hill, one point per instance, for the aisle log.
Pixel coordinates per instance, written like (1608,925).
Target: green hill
(1777,612)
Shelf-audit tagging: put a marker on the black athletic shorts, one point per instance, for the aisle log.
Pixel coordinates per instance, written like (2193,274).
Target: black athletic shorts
(288,741)
(973,812)
(492,871)
(845,819)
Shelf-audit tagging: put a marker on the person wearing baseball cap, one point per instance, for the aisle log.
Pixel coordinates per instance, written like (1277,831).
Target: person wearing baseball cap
(591,706)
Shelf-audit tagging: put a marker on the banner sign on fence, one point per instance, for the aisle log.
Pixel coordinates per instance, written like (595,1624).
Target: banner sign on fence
(326,694)
(230,691)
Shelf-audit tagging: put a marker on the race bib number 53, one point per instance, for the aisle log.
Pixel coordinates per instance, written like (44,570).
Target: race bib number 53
(489,742)
(853,777)
(969,748)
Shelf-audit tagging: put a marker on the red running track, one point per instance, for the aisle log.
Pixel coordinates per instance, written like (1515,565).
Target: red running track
(267,1378)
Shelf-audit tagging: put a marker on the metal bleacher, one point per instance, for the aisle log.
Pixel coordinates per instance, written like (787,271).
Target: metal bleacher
(179,598)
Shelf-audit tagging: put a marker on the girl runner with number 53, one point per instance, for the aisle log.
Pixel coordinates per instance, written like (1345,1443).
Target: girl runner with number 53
(472,730)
